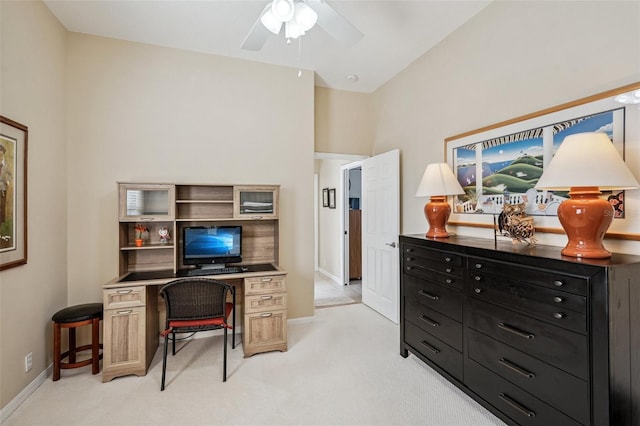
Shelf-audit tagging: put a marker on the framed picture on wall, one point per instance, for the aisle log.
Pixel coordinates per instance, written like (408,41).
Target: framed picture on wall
(13,193)
(332,198)
(325,197)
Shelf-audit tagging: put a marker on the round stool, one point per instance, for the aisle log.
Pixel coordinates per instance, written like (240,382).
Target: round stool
(71,318)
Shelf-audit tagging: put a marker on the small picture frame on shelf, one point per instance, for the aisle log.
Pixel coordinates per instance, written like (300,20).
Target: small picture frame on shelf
(332,198)
(325,197)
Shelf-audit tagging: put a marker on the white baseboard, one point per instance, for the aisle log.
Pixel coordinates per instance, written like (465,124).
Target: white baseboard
(330,276)
(25,393)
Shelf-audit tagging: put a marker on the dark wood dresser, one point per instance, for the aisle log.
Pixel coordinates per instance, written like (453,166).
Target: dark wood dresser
(535,337)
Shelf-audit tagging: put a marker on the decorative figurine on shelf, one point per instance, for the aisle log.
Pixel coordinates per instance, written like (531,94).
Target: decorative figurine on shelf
(140,230)
(514,223)
(165,237)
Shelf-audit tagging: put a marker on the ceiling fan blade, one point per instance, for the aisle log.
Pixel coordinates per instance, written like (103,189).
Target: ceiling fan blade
(257,35)
(334,23)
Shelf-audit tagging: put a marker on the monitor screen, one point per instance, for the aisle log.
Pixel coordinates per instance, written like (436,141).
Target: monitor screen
(205,245)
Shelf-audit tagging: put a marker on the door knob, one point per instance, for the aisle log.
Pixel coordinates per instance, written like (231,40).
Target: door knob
(391,244)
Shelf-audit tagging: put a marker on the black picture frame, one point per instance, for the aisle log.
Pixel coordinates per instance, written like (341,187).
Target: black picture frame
(332,198)
(325,197)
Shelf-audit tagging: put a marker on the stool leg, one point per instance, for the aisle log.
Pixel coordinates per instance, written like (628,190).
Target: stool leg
(72,345)
(95,346)
(56,351)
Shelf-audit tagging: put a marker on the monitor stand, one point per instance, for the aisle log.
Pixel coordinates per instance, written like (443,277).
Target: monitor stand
(213,266)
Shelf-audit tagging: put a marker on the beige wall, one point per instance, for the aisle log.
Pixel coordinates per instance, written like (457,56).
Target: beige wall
(513,58)
(343,122)
(32,92)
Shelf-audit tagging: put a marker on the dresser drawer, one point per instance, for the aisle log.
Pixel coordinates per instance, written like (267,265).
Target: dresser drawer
(563,309)
(265,302)
(266,284)
(522,407)
(124,297)
(431,257)
(434,277)
(434,349)
(545,278)
(561,348)
(552,385)
(440,298)
(441,326)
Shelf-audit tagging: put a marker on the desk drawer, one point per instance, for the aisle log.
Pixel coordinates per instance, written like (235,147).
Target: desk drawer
(265,302)
(124,297)
(434,349)
(522,407)
(441,326)
(266,284)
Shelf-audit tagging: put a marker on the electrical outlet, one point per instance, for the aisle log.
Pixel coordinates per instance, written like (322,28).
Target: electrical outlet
(28,362)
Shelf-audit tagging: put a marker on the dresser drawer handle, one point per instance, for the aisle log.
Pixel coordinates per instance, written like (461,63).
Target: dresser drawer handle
(515,404)
(447,259)
(558,299)
(478,278)
(429,321)
(409,259)
(448,270)
(430,348)
(559,315)
(448,281)
(266,315)
(409,250)
(428,295)
(515,331)
(124,291)
(558,283)
(409,268)
(478,290)
(266,280)
(266,297)
(517,369)
(478,265)
(127,312)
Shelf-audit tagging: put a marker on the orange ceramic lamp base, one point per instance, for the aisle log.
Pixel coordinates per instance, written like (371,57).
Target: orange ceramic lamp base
(437,212)
(585,218)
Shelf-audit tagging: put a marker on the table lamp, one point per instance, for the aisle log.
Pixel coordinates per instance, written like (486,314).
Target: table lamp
(584,164)
(437,182)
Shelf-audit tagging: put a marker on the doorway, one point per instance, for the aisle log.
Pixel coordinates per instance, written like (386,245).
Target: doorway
(351,181)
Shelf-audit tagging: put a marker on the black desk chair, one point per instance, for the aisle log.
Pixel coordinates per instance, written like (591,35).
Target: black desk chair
(196,304)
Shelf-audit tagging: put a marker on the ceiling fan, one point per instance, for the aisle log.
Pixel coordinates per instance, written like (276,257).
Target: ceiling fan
(297,17)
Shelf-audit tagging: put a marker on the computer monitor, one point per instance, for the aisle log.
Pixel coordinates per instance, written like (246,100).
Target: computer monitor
(212,246)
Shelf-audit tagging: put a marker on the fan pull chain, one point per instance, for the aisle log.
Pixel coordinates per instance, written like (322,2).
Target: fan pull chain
(299,57)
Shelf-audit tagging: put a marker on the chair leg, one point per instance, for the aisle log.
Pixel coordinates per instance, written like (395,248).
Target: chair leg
(56,351)
(173,336)
(164,360)
(95,346)
(224,362)
(72,345)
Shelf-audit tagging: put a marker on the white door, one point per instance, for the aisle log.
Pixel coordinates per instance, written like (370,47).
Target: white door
(380,229)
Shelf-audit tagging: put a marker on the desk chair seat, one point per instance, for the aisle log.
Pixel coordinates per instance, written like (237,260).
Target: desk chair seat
(193,305)
(71,318)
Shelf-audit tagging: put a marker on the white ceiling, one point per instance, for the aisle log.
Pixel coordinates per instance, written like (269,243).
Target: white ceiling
(396,32)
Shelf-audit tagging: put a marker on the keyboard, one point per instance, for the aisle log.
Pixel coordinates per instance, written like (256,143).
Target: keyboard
(218,271)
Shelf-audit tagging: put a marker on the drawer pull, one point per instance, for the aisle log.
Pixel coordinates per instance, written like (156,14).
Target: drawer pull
(559,315)
(267,297)
(515,404)
(266,315)
(448,270)
(266,280)
(430,348)
(558,299)
(429,321)
(127,312)
(478,278)
(409,268)
(409,259)
(515,331)
(124,291)
(409,250)
(428,295)
(448,280)
(478,290)
(478,265)
(447,259)
(517,369)
(558,283)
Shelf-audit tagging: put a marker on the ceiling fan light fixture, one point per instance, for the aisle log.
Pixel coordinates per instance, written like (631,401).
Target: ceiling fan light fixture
(305,16)
(292,29)
(270,22)
(283,10)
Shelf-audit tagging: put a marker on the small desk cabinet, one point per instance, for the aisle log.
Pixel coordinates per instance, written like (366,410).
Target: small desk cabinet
(131,306)
(535,337)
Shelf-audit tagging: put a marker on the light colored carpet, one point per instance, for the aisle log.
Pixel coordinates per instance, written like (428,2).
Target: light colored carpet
(342,368)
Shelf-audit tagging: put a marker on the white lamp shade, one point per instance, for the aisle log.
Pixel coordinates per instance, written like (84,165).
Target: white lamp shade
(587,160)
(292,29)
(438,179)
(282,9)
(305,16)
(269,20)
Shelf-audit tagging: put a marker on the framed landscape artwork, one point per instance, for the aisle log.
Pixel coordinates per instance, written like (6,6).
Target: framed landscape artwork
(502,163)
(13,193)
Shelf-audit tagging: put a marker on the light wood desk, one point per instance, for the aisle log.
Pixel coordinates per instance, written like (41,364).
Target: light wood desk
(132,316)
